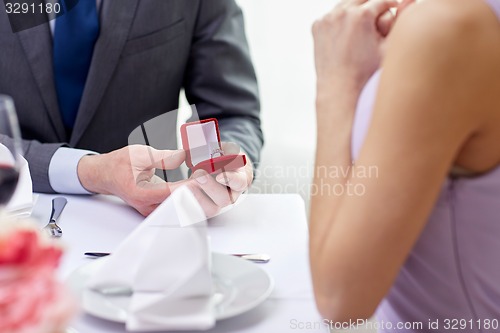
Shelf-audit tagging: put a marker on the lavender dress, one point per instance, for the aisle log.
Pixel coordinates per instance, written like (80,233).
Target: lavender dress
(451,279)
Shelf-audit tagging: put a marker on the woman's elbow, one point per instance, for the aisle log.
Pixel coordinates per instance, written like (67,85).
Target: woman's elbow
(344,308)
(341,294)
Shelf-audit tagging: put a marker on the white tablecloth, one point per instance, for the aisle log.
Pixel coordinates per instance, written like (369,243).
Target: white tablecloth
(273,224)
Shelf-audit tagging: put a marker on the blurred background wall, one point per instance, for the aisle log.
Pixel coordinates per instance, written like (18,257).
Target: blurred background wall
(279,34)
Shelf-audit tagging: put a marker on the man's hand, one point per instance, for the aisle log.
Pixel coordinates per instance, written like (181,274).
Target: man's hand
(215,193)
(129,173)
(225,188)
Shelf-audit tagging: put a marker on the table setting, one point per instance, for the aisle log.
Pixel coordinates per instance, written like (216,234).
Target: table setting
(91,263)
(248,296)
(245,270)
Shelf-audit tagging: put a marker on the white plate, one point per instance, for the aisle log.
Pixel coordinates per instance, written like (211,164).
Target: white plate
(239,287)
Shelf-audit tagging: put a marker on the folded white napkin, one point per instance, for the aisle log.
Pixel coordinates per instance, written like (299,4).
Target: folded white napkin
(166,262)
(22,201)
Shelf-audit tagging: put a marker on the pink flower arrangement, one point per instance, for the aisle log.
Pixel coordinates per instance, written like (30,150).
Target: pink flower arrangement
(32,300)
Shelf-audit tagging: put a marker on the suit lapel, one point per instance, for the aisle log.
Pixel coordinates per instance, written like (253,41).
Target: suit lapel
(116,19)
(37,45)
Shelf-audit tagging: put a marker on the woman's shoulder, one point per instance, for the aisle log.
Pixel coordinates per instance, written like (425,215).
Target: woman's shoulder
(451,51)
(448,23)
(445,35)
(463,13)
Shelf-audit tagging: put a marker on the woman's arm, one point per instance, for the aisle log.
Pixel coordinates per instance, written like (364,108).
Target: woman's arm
(348,49)
(439,82)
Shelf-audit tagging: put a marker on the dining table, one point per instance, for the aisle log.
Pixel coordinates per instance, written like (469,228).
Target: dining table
(274,224)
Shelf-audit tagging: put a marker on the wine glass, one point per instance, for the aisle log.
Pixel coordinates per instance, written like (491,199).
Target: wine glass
(10,149)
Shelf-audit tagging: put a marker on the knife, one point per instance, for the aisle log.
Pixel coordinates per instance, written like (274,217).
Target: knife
(260,258)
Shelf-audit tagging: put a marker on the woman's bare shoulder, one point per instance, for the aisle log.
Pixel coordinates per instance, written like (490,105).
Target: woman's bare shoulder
(445,38)
(447,24)
(451,51)
(438,15)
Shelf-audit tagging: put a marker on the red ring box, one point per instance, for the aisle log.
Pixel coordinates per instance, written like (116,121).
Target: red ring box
(199,140)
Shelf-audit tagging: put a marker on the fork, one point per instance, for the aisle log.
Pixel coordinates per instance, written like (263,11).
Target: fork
(52,228)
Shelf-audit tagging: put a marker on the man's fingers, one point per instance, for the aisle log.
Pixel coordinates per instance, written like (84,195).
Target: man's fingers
(146,157)
(209,207)
(152,192)
(141,176)
(230,148)
(236,180)
(167,159)
(148,195)
(221,195)
(146,210)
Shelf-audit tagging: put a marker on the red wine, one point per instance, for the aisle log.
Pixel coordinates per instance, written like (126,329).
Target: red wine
(8,182)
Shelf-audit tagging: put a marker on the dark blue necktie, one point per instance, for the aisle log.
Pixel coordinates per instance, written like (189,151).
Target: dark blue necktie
(75,35)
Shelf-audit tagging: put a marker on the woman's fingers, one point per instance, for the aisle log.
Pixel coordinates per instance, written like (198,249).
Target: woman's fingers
(385,23)
(351,3)
(379,7)
(386,20)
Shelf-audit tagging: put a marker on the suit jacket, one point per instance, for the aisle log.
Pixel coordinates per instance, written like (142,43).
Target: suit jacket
(147,51)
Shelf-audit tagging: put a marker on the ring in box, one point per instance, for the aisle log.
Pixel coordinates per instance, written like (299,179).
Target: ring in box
(201,141)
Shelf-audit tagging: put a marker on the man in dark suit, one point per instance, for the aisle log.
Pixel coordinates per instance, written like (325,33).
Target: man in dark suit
(96,73)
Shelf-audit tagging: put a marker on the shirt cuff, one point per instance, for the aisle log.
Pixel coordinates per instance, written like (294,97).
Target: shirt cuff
(63,170)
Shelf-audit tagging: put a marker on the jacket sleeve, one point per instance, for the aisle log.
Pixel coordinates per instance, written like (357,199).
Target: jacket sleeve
(220,79)
(38,156)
